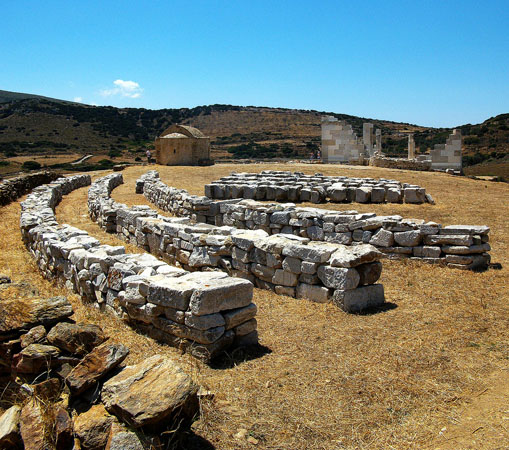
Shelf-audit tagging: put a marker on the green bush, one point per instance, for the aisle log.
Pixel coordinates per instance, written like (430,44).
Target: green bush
(31,165)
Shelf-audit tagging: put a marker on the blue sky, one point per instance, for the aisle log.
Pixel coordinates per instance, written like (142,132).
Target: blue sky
(434,63)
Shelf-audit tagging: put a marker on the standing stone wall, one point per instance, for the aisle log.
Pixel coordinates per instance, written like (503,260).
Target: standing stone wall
(286,264)
(339,142)
(201,313)
(455,246)
(297,187)
(15,187)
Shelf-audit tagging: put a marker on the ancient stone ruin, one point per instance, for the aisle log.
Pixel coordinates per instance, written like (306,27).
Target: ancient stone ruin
(202,314)
(455,246)
(339,142)
(286,264)
(182,145)
(15,187)
(297,187)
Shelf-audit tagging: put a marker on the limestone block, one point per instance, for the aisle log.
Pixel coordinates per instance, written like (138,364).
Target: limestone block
(235,317)
(282,277)
(414,195)
(465,229)
(263,272)
(204,322)
(356,300)
(308,252)
(293,265)
(354,256)
(245,328)
(449,239)
(309,267)
(338,277)
(427,251)
(465,250)
(213,294)
(246,240)
(377,195)
(319,294)
(315,233)
(363,194)
(408,238)
(382,238)
(394,195)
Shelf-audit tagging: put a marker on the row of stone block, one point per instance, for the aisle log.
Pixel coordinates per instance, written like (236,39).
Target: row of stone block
(393,235)
(202,314)
(286,264)
(297,187)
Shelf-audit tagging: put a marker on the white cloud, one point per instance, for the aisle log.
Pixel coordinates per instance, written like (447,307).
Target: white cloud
(78,99)
(123,88)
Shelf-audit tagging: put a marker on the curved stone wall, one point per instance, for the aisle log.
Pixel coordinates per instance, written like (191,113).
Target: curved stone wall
(456,246)
(14,188)
(286,264)
(201,314)
(297,187)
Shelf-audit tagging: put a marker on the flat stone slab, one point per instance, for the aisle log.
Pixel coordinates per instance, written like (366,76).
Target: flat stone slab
(148,392)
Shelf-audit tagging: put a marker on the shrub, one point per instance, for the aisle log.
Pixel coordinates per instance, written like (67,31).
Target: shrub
(31,165)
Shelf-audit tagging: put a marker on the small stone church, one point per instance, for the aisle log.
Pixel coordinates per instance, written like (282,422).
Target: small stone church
(182,145)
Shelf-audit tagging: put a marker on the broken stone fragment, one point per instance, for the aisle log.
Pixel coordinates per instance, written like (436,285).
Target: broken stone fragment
(27,312)
(9,428)
(35,426)
(93,427)
(76,338)
(35,335)
(150,392)
(35,358)
(95,365)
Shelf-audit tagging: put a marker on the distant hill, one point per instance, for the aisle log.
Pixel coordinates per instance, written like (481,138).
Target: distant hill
(31,124)
(8,96)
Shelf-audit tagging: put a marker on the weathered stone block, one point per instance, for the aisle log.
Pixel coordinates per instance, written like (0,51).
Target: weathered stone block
(356,300)
(338,277)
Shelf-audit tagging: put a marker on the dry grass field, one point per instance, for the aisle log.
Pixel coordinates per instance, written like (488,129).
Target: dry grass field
(431,371)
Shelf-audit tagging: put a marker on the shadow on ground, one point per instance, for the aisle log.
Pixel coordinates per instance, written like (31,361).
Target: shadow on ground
(230,359)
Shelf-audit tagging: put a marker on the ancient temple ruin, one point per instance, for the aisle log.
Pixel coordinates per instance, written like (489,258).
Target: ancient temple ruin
(339,141)
(448,155)
(182,145)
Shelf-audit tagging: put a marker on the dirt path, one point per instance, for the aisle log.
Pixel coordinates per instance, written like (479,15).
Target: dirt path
(484,422)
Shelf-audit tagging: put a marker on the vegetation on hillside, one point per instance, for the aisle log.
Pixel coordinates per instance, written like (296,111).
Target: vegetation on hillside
(38,125)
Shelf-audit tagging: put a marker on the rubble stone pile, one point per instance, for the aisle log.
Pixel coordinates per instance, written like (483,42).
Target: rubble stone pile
(297,187)
(71,389)
(186,310)
(286,264)
(455,246)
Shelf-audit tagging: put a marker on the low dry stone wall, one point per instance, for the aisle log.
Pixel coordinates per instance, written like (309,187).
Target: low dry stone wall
(286,264)
(14,188)
(400,163)
(297,187)
(456,246)
(200,313)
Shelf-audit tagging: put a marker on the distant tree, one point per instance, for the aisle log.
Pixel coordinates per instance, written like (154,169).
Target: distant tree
(31,165)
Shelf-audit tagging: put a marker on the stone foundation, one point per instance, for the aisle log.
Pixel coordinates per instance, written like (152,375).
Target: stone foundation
(297,187)
(394,236)
(286,264)
(14,188)
(201,313)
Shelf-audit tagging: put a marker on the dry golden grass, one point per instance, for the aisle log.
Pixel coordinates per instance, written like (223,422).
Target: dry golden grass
(331,380)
